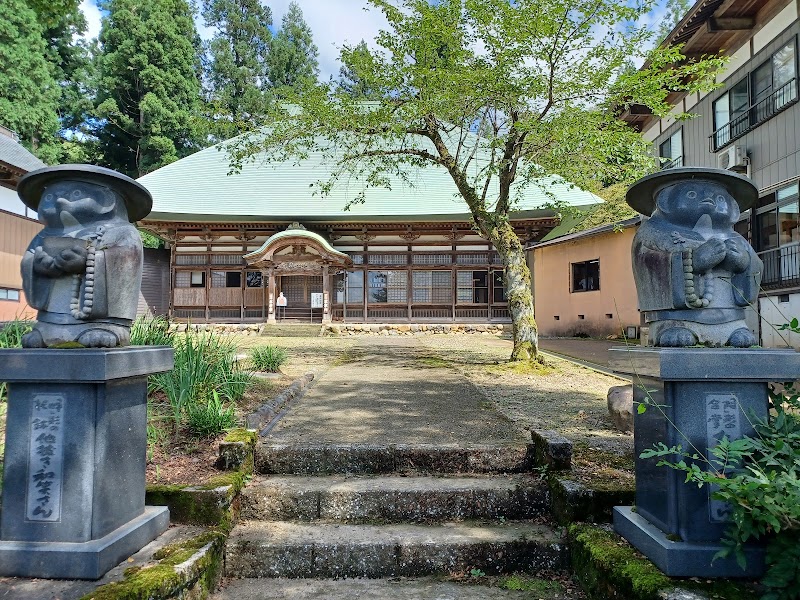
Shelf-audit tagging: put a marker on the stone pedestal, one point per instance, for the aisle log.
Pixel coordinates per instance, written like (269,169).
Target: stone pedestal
(696,396)
(74,476)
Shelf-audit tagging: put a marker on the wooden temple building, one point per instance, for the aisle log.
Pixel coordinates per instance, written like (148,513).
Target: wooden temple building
(241,244)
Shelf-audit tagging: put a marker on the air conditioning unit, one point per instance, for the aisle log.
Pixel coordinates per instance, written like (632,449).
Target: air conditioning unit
(734,158)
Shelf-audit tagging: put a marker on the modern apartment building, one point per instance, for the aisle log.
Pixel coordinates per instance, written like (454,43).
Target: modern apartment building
(750,124)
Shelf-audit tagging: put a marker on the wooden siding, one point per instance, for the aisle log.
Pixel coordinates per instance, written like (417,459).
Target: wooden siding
(773,146)
(225,297)
(190,297)
(154,295)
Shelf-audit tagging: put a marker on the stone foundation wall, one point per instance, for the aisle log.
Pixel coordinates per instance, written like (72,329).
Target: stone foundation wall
(413,329)
(347,329)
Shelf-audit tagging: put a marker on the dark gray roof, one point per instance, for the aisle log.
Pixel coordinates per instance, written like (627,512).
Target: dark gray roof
(13,153)
(589,232)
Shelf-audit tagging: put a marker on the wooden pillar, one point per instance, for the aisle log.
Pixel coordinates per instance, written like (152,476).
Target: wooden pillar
(326,295)
(271,297)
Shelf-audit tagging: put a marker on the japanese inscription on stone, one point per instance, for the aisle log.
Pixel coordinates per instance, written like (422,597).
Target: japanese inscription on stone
(722,421)
(46,458)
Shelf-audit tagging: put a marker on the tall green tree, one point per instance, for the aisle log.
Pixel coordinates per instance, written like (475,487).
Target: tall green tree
(148,85)
(499,95)
(237,67)
(70,56)
(29,92)
(292,56)
(355,60)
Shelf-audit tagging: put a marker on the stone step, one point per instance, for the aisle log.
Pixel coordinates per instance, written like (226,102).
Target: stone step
(323,550)
(329,459)
(394,499)
(375,589)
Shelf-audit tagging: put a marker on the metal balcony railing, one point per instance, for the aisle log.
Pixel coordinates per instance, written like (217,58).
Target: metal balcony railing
(761,111)
(781,267)
(675,162)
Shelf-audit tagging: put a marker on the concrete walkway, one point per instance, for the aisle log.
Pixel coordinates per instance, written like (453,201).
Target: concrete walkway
(391,391)
(591,351)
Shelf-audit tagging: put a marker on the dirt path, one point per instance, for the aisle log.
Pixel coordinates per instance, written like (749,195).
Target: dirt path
(390,390)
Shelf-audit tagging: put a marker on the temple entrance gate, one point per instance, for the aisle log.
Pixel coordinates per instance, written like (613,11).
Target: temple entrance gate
(300,264)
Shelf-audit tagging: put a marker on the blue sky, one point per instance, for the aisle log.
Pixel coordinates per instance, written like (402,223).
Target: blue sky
(332,22)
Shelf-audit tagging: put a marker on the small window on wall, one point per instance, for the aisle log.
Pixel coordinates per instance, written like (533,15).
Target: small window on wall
(473,287)
(778,224)
(226,279)
(499,287)
(586,276)
(671,151)
(185,279)
(7,294)
(254,279)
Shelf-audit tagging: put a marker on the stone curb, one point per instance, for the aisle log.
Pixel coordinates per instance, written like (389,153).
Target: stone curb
(573,501)
(607,568)
(189,569)
(267,412)
(193,505)
(245,329)
(551,450)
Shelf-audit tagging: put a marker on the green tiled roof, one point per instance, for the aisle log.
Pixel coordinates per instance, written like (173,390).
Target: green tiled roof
(198,188)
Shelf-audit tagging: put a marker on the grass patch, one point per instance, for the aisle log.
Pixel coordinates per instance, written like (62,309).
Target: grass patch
(348,355)
(523,367)
(433,362)
(530,584)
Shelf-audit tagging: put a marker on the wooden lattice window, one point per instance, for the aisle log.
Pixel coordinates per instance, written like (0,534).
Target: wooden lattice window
(431,287)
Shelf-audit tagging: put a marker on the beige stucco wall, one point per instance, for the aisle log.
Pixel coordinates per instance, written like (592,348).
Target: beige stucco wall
(16,232)
(553,297)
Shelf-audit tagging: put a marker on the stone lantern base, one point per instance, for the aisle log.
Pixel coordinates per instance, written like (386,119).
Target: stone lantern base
(694,397)
(74,477)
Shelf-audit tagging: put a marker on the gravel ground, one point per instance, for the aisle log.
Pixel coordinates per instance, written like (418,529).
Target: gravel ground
(565,397)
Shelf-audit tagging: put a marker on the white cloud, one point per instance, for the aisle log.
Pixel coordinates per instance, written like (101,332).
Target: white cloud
(332,23)
(92,14)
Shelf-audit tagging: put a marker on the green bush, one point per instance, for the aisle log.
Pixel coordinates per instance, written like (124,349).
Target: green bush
(268,358)
(151,331)
(205,365)
(210,418)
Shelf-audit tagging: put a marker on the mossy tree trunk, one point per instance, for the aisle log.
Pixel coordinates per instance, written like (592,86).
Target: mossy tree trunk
(518,291)
(494,225)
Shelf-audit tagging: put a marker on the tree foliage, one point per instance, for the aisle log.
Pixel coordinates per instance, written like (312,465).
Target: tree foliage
(149,85)
(356,60)
(29,92)
(498,94)
(237,65)
(292,59)
(612,210)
